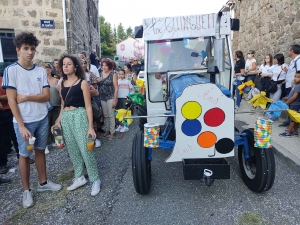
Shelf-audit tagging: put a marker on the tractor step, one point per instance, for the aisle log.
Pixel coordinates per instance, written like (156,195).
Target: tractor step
(197,169)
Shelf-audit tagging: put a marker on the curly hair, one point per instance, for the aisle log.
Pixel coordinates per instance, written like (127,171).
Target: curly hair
(108,62)
(77,63)
(26,38)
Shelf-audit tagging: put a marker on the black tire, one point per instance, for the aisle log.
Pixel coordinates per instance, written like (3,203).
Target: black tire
(259,175)
(141,166)
(142,111)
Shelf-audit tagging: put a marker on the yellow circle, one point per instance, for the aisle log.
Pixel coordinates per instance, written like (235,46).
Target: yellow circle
(191,110)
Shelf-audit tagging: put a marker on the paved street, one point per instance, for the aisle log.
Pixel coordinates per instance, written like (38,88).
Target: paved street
(172,199)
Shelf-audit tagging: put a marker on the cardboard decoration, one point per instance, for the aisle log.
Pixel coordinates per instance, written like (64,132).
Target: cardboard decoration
(204,124)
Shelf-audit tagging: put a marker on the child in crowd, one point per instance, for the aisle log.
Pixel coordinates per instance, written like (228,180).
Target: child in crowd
(294,104)
(125,87)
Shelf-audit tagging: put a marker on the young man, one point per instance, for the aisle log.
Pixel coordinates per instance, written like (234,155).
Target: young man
(27,92)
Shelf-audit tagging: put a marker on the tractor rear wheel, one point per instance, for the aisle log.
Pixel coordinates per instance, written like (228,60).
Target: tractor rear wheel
(141,165)
(142,111)
(259,173)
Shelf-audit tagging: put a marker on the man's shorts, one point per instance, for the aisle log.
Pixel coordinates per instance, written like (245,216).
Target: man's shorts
(39,130)
(295,107)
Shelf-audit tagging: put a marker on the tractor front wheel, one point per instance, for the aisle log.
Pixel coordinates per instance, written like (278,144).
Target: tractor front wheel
(258,173)
(141,165)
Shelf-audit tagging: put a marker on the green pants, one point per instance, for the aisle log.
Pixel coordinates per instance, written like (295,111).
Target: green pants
(75,128)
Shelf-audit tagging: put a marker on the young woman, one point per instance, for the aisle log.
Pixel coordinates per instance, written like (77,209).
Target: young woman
(239,74)
(55,102)
(250,66)
(76,118)
(129,74)
(108,95)
(279,73)
(266,72)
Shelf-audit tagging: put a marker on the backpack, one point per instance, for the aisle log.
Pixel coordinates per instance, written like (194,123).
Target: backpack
(296,64)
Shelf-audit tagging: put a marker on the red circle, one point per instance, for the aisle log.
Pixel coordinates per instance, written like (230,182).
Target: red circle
(214,117)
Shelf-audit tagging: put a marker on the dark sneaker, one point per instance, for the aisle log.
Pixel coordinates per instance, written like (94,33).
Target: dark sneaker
(284,124)
(295,134)
(285,134)
(4,181)
(3,169)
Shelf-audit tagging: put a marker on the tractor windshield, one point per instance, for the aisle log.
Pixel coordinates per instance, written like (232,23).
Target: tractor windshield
(177,54)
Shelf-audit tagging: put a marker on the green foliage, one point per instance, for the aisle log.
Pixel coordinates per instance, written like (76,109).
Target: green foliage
(129,32)
(121,33)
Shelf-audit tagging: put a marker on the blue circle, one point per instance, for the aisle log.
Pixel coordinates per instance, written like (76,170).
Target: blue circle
(191,127)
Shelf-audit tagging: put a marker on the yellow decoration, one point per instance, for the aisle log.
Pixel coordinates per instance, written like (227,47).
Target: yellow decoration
(249,83)
(140,83)
(295,116)
(121,113)
(260,100)
(191,110)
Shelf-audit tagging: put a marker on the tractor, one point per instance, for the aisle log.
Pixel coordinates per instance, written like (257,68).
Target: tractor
(189,106)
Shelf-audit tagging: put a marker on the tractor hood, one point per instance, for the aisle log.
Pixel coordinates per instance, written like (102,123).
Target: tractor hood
(178,84)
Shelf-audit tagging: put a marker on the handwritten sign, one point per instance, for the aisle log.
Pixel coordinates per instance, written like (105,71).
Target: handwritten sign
(47,24)
(162,28)
(204,124)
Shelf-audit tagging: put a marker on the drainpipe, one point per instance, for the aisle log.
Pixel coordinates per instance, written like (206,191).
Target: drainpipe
(65,22)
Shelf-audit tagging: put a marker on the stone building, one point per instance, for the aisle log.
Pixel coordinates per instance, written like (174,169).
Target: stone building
(60,25)
(267,26)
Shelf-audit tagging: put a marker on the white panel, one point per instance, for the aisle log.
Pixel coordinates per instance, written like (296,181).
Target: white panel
(214,104)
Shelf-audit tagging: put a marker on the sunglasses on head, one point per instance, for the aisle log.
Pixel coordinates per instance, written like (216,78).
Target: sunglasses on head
(134,60)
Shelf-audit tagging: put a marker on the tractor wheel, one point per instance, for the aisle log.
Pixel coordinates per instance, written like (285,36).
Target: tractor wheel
(259,174)
(141,166)
(142,111)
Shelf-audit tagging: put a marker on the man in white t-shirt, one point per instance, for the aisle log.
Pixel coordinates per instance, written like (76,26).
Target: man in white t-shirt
(28,91)
(92,68)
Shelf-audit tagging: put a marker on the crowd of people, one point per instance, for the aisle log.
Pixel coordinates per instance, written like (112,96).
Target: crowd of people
(274,77)
(77,94)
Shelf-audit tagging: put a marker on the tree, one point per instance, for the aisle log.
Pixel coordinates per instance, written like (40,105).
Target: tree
(115,34)
(121,33)
(108,45)
(129,32)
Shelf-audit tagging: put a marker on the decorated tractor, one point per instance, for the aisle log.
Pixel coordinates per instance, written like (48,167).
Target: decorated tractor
(189,104)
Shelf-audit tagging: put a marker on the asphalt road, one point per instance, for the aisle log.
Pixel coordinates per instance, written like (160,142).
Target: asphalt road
(172,200)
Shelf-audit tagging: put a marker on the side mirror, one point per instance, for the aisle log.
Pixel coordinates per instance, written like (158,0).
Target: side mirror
(235,24)
(138,32)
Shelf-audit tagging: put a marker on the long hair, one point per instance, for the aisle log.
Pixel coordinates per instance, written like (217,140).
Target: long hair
(271,59)
(79,72)
(240,55)
(128,66)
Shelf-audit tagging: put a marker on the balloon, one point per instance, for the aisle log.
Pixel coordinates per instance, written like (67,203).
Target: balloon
(166,50)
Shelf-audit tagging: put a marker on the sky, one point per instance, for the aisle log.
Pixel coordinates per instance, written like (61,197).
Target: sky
(132,12)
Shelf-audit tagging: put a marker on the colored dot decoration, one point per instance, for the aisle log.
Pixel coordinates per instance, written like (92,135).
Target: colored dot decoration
(191,127)
(191,110)
(213,118)
(207,139)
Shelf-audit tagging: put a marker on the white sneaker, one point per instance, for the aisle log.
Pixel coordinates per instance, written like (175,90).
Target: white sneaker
(97,143)
(50,186)
(237,108)
(78,182)
(96,187)
(124,129)
(118,128)
(46,150)
(27,199)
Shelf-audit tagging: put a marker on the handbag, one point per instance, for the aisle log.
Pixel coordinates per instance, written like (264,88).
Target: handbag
(272,85)
(96,109)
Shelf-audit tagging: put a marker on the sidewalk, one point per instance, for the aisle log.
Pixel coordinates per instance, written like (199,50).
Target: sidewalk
(286,148)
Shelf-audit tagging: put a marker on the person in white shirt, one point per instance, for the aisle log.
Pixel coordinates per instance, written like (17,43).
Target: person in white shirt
(125,87)
(28,91)
(266,72)
(279,73)
(294,66)
(250,66)
(92,67)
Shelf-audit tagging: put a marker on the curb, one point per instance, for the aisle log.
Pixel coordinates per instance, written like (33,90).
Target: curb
(286,157)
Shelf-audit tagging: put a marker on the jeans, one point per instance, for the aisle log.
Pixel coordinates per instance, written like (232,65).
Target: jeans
(237,92)
(7,134)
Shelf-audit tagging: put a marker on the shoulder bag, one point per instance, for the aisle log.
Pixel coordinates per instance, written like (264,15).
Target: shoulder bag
(272,85)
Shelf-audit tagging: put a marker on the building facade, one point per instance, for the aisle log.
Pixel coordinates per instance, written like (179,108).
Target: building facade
(267,26)
(62,26)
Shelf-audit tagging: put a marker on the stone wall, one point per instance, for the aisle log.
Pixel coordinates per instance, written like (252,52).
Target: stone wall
(25,15)
(267,26)
(83,29)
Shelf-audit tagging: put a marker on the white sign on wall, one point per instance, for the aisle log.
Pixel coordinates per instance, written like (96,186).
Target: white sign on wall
(204,124)
(162,28)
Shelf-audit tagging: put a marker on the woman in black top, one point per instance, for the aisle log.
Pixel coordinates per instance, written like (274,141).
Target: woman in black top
(76,118)
(239,70)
